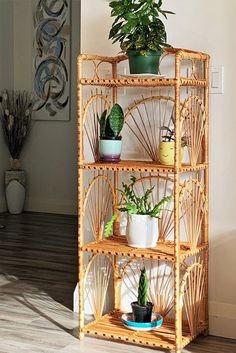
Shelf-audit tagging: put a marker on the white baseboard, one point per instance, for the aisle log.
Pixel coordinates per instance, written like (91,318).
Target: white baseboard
(51,206)
(222,318)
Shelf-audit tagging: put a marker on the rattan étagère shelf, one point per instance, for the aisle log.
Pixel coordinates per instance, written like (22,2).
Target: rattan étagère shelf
(178,266)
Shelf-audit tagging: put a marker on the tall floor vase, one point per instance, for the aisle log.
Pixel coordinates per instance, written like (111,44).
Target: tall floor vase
(15,190)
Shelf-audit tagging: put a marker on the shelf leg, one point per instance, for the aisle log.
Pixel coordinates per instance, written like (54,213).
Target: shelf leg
(178,308)
(80,254)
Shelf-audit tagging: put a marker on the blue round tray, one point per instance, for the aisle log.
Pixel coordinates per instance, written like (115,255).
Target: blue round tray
(128,322)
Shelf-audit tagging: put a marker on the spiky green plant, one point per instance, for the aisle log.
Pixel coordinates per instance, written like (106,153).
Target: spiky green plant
(111,125)
(143,288)
(135,205)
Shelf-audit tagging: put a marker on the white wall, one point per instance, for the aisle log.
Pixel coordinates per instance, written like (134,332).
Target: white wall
(6,78)
(49,157)
(207,26)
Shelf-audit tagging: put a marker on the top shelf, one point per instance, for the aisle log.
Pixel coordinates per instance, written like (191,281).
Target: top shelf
(115,79)
(142,82)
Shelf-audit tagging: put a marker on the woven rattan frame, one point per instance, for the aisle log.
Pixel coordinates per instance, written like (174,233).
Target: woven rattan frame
(175,333)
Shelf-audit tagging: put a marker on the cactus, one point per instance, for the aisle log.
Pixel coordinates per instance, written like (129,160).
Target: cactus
(111,125)
(143,288)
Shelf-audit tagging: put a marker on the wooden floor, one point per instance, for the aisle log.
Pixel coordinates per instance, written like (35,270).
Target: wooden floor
(38,272)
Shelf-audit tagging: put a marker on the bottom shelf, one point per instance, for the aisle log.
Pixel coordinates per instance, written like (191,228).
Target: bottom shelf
(110,327)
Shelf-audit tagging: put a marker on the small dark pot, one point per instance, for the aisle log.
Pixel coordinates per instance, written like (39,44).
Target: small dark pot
(142,313)
(144,64)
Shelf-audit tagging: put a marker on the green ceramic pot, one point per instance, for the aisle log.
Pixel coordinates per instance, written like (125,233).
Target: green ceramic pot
(110,150)
(144,64)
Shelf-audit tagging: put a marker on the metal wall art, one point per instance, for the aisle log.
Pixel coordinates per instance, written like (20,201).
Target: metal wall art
(51,79)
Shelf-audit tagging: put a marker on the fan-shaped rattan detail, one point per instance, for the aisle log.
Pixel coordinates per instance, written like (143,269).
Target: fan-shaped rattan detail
(193,208)
(95,105)
(98,204)
(144,119)
(193,121)
(161,284)
(192,295)
(96,281)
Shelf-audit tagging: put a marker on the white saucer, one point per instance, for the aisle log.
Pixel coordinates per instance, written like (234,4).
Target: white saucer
(142,76)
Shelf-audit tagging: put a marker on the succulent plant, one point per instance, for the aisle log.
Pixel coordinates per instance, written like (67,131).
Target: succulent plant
(111,125)
(170,134)
(133,204)
(143,288)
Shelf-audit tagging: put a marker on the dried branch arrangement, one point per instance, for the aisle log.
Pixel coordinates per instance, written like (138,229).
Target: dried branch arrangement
(16,110)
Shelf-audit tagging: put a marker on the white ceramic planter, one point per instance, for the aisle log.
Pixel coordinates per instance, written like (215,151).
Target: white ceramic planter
(142,231)
(15,190)
(110,150)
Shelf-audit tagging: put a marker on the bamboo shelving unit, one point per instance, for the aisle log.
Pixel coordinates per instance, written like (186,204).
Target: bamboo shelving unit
(178,266)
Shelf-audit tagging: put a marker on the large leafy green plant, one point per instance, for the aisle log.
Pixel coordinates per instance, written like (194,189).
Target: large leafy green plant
(111,125)
(136,205)
(137,25)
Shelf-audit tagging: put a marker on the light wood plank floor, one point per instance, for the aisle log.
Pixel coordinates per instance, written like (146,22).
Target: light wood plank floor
(38,272)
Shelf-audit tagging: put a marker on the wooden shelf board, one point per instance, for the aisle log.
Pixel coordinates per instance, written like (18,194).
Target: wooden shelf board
(110,327)
(141,82)
(140,166)
(117,245)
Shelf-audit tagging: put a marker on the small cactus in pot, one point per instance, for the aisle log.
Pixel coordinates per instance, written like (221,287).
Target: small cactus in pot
(110,139)
(142,308)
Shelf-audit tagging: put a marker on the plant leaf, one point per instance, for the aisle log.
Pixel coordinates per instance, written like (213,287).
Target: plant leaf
(109,225)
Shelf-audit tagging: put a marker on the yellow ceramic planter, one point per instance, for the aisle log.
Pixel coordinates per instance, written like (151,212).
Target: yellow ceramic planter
(166,153)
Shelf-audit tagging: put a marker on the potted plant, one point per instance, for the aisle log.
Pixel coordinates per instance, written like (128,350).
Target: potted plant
(142,226)
(110,143)
(141,33)
(166,148)
(16,118)
(142,308)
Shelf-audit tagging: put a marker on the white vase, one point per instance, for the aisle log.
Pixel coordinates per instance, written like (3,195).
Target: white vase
(142,231)
(15,190)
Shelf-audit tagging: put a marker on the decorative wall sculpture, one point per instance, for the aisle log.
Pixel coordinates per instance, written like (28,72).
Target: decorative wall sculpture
(51,79)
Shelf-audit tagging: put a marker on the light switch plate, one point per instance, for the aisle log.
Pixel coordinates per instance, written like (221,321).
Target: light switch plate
(217,80)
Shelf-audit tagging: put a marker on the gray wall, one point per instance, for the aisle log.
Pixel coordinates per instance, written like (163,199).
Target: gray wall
(50,156)
(6,77)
